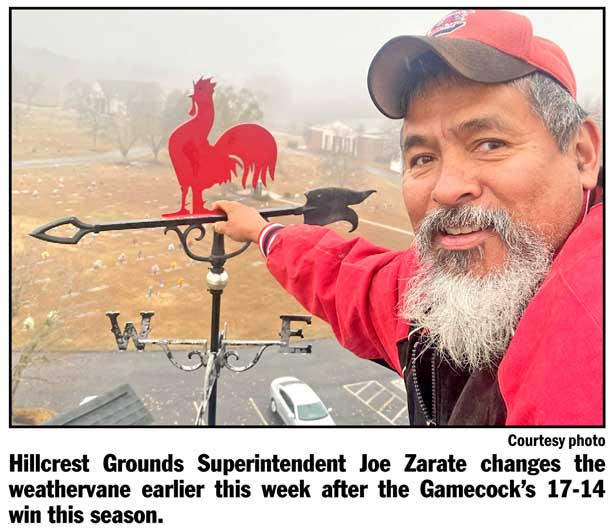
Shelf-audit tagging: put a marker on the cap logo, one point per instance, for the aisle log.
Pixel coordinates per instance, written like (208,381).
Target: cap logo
(451,22)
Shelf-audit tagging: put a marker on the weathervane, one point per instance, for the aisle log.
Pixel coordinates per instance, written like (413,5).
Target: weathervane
(198,166)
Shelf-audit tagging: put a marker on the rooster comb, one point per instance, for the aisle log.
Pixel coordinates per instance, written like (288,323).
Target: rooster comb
(203,84)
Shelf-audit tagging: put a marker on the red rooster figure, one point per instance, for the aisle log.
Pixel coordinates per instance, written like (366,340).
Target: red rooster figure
(199,165)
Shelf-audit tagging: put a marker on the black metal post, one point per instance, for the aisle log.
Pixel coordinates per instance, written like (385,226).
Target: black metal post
(217,279)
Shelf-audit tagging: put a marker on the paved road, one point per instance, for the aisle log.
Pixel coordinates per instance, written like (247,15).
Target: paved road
(359,392)
(79,160)
(92,158)
(136,152)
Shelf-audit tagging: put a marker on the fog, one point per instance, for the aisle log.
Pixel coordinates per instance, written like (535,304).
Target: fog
(306,65)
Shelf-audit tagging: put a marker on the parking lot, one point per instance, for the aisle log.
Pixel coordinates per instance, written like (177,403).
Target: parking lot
(359,392)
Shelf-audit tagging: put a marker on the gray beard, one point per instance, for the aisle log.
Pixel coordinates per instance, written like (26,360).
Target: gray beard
(471,319)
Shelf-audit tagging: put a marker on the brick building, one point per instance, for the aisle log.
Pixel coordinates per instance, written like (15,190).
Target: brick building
(337,137)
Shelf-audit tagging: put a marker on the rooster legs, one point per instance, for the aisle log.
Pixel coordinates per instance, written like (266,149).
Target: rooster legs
(198,205)
(197,201)
(183,211)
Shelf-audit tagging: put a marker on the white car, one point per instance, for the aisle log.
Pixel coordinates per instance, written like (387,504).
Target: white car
(297,404)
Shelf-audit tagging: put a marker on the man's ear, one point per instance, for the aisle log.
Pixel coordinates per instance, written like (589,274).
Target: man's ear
(587,152)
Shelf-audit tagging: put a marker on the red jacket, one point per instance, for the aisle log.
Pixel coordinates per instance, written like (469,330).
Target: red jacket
(551,373)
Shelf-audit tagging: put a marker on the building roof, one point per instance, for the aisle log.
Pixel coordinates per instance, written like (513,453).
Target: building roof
(336,128)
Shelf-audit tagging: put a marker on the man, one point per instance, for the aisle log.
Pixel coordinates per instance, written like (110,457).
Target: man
(495,316)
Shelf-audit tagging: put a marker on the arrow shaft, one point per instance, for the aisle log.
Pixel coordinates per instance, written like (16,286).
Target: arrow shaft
(192,220)
(323,206)
(87,228)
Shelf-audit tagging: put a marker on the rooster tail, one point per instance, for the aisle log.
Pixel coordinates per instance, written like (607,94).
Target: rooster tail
(259,173)
(254,148)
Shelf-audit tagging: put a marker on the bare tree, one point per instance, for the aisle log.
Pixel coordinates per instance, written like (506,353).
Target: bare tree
(339,168)
(234,107)
(75,96)
(18,114)
(175,112)
(23,274)
(40,337)
(24,86)
(158,122)
(139,118)
(97,122)
(124,133)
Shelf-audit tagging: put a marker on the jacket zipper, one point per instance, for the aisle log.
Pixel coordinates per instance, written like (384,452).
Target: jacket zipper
(434,410)
(431,421)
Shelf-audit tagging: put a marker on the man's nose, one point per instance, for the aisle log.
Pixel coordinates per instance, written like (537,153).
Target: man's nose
(457,183)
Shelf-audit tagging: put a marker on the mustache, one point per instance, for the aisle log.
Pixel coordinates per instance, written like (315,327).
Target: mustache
(443,218)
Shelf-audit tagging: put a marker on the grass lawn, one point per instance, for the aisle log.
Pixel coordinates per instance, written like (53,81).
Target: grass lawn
(114,271)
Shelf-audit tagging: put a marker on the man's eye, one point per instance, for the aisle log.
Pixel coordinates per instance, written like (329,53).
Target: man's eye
(420,160)
(489,145)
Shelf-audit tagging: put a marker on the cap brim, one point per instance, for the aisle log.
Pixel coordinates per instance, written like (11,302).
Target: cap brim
(390,72)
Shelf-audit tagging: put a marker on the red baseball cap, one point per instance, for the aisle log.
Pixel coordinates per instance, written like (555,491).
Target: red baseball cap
(484,45)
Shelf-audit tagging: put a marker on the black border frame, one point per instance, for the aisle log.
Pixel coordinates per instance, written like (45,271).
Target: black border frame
(306,8)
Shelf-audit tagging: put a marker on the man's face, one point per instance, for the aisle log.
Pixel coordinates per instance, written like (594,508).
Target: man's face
(482,145)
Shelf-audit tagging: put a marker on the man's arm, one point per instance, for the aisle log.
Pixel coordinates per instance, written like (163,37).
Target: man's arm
(352,284)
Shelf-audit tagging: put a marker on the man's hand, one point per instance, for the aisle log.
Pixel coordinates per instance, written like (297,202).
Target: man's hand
(244,223)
